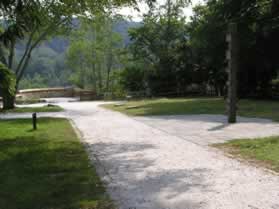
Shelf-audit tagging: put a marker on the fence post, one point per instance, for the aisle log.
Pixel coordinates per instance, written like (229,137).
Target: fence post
(232,56)
(34,121)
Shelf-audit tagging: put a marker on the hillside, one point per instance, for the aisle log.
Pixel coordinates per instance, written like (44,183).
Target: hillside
(47,66)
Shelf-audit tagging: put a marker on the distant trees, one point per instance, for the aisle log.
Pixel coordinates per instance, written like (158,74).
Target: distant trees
(167,55)
(95,52)
(46,68)
(32,21)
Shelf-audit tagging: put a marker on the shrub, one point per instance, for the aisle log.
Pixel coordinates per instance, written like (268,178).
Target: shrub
(7,81)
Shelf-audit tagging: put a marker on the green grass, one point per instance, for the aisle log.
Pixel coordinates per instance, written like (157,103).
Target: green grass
(47,168)
(248,108)
(34,109)
(263,151)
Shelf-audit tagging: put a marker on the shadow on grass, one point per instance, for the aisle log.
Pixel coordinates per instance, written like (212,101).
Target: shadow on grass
(138,179)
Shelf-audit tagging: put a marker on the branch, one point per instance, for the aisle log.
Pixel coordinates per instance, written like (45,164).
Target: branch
(26,52)
(2,56)
(31,47)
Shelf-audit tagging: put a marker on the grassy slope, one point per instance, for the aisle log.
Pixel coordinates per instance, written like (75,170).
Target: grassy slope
(34,109)
(47,168)
(264,151)
(248,108)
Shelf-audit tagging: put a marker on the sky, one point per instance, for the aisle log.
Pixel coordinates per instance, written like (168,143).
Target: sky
(137,16)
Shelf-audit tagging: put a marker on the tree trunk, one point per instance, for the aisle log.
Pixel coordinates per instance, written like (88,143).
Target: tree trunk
(11,55)
(108,76)
(8,101)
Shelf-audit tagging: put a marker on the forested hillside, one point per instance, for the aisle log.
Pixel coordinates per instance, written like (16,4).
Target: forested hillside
(48,66)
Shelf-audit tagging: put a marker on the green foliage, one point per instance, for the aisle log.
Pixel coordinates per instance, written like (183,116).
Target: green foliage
(117,91)
(161,44)
(37,81)
(46,69)
(7,81)
(173,54)
(94,53)
(42,20)
(46,168)
(177,54)
(258,28)
(132,78)
(207,41)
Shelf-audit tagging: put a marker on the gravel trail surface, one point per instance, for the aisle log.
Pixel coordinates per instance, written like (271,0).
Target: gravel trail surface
(150,163)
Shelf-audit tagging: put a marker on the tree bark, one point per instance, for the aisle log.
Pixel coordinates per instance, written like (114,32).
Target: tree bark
(108,80)
(11,55)
(8,101)
(2,55)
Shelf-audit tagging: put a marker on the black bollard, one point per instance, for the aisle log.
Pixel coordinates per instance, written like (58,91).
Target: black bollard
(34,120)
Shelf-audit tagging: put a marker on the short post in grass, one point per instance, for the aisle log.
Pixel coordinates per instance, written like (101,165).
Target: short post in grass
(34,121)
(232,68)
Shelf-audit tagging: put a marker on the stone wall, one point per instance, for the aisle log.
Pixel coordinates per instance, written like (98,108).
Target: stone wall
(46,93)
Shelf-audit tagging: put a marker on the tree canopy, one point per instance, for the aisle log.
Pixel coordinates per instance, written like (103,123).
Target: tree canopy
(165,55)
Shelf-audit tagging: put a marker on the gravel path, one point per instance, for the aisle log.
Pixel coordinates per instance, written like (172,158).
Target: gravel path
(210,129)
(148,165)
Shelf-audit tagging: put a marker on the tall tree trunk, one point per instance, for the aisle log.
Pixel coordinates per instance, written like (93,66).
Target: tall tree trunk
(8,101)
(109,66)
(22,70)
(2,55)
(8,98)
(108,80)
(100,77)
(11,55)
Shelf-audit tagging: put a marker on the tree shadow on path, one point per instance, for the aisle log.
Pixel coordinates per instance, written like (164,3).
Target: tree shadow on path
(137,181)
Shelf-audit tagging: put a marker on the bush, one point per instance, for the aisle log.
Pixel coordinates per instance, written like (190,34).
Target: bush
(132,78)
(7,81)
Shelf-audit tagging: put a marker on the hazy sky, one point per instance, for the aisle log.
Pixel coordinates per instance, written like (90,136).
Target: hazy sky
(136,16)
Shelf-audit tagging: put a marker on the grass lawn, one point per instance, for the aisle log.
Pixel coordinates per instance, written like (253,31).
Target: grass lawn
(248,108)
(47,168)
(34,109)
(263,151)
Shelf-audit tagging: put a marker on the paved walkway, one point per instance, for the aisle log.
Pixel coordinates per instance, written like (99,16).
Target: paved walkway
(147,165)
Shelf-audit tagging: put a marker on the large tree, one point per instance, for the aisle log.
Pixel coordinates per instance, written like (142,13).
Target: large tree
(207,31)
(161,43)
(17,18)
(35,20)
(94,52)
(258,27)
(7,85)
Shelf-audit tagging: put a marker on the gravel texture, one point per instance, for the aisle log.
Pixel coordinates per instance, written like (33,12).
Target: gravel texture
(165,163)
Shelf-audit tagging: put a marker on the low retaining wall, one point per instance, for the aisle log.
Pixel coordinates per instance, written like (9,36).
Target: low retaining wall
(84,95)
(46,93)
